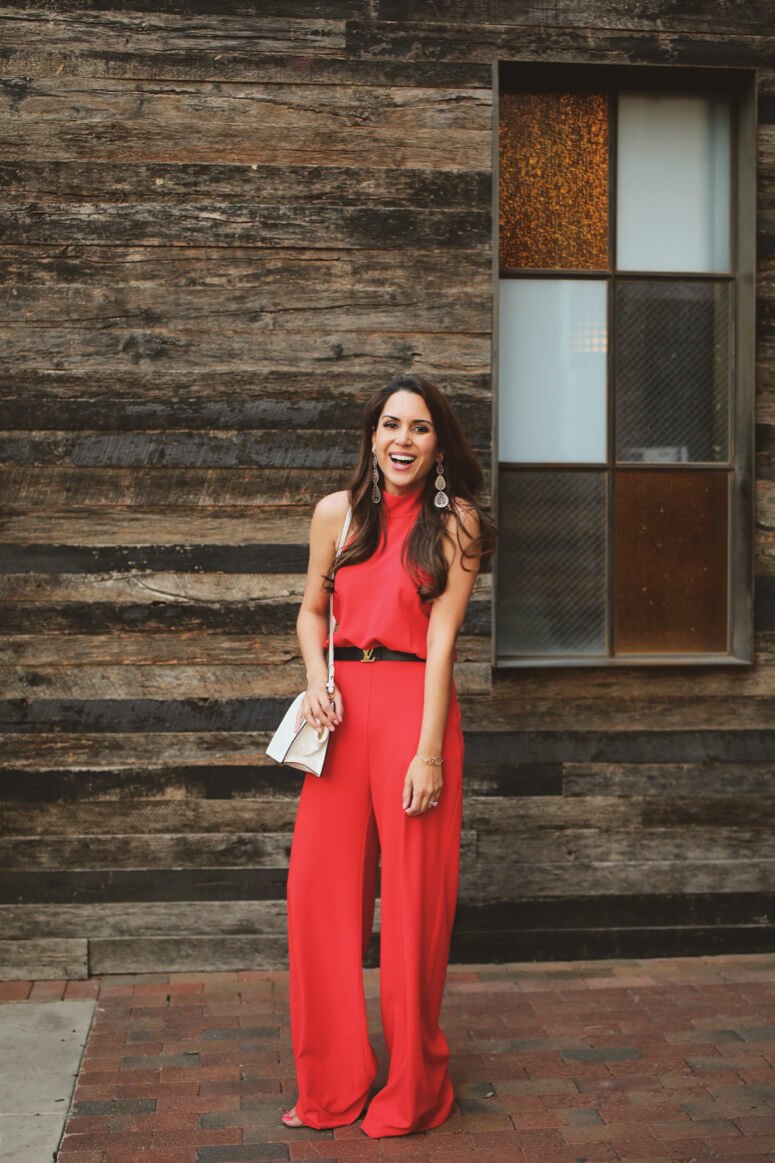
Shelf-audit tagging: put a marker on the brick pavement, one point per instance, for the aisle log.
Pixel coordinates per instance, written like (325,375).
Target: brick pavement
(645,1061)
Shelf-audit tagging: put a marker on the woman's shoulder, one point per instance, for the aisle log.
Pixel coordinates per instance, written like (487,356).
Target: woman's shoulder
(465,514)
(330,513)
(333,506)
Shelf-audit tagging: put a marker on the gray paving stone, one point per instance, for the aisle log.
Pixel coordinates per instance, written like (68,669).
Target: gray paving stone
(602,1054)
(30,1138)
(42,1045)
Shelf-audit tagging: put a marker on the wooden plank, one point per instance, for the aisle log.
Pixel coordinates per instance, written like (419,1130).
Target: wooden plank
(154,586)
(163,487)
(247,314)
(588,944)
(136,782)
(576,847)
(178,680)
(257,617)
(56,650)
(497,879)
(218,397)
(68,886)
(106,353)
(703,780)
(151,817)
(248,224)
(165,817)
(172,121)
(303,449)
(146,919)
(84,650)
(600,15)
(624,818)
(97,750)
(45,53)
(243,918)
(44,958)
(386,40)
(172,680)
(111,526)
(60,180)
(131,14)
(622,911)
(61,560)
(92,748)
(95,618)
(622,746)
(481,883)
(81,30)
(118,851)
(187,954)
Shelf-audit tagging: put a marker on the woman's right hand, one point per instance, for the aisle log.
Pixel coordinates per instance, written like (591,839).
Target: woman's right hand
(318,708)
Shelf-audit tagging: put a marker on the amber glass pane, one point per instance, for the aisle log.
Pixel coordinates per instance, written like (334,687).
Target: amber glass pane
(671,561)
(554,181)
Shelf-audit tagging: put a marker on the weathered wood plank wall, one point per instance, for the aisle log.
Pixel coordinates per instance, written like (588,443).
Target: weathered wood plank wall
(220,227)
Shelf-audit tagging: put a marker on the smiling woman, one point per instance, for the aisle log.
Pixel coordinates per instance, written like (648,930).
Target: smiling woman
(393,777)
(404,445)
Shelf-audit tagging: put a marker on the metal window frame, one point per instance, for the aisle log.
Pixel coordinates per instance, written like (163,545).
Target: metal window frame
(740,84)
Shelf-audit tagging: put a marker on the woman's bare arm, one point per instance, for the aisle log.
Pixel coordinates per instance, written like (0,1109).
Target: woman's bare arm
(312,620)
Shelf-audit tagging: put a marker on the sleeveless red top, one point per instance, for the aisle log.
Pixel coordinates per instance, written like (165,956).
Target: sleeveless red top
(376,601)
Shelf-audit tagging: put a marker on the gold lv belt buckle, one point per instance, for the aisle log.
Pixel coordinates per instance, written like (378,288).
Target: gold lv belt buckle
(367,654)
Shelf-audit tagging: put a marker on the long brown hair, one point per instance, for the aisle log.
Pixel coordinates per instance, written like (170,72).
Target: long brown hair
(424,552)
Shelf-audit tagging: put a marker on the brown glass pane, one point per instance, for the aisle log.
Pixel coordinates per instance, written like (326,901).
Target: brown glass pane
(671,561)
(554,181)
(551,562)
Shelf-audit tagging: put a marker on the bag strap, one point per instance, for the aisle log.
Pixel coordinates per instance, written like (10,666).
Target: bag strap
(331,627)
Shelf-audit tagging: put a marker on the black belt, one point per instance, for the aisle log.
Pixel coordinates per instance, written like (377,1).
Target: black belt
(373,654)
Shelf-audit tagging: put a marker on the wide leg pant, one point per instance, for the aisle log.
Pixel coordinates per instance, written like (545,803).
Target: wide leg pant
(344,820)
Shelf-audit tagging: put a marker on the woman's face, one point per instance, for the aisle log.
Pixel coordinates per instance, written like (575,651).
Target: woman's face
(405,442)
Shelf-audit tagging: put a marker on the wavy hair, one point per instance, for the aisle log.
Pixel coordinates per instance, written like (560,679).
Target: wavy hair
(424,549)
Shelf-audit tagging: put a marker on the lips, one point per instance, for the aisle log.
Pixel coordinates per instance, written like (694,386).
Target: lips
(400,460)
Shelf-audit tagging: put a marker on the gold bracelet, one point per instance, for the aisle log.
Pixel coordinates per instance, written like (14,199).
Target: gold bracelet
(431,760)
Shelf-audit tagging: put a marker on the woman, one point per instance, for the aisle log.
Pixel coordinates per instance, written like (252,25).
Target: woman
(392,783)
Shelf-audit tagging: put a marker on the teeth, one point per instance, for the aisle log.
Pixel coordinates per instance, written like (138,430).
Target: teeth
(401,459)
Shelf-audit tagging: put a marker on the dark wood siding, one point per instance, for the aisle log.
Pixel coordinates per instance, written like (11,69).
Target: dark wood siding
(220,227)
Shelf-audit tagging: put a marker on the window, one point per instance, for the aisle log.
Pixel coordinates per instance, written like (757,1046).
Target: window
(626,210)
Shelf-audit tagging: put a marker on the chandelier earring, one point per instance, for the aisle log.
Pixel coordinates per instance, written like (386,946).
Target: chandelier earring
(376,495)
(441,500)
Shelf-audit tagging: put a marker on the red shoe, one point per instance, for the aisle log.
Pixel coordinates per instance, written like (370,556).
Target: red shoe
(291,1119)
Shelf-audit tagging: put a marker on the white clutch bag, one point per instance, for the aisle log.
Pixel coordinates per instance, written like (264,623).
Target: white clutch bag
(305,748)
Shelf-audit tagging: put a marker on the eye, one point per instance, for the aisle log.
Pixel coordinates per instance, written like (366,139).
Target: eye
(389,424)
(421,428)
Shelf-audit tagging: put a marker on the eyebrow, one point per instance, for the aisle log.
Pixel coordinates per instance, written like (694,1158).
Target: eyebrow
(416,420)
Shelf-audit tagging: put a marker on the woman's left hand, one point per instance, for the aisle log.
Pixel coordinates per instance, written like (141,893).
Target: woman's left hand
(422,787)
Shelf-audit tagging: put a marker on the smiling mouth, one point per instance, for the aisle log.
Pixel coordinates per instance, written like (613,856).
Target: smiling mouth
(400,460)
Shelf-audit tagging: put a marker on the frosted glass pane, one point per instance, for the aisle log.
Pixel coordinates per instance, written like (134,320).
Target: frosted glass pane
(552,370)
(673,183)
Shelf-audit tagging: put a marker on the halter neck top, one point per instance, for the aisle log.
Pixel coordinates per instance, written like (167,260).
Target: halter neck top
(376,601)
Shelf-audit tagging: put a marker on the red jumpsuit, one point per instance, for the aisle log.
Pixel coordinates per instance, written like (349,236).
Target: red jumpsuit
(345,819)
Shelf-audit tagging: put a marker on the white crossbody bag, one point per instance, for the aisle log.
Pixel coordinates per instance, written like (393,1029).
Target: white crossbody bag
(306,748)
